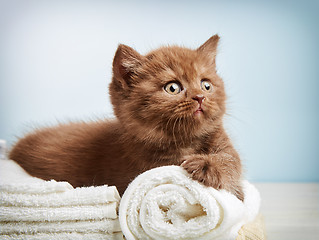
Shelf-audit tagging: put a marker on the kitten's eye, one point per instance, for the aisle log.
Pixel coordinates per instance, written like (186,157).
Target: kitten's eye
(173,88)
(206,86)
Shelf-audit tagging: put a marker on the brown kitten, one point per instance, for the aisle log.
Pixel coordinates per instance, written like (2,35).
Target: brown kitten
(169,106)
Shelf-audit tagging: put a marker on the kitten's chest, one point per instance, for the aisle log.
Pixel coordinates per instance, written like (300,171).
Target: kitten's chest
(187,151)
(172,154)
(199,146)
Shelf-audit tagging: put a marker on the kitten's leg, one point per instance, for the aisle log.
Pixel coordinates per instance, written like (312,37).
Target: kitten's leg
(220,171)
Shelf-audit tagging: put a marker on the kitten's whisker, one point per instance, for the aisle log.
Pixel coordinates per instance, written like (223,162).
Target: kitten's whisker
(174,132)
(186,123)
(179,125)
(184,104)
(167,124)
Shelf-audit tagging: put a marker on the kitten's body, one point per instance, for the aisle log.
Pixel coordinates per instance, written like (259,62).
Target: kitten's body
(154,127)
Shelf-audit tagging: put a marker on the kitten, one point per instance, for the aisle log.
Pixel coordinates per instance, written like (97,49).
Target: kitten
(169,106)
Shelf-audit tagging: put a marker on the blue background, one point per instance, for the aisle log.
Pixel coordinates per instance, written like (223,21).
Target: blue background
(56,56)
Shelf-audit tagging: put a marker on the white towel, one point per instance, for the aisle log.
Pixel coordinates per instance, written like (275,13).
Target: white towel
(14,179)
(38,214)
(16,190)
(77,196)
(31,208)
(165,203)
(104,225)
(64,236)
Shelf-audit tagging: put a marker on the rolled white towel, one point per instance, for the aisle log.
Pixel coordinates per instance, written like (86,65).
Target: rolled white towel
(165,203)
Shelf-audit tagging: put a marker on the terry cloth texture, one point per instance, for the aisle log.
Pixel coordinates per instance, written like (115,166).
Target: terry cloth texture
(165,203)
(31,208)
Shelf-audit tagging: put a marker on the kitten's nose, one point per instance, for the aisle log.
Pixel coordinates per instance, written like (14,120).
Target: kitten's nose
(199,98)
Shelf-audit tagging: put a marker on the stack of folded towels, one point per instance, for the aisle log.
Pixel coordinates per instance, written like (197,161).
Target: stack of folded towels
(31,208)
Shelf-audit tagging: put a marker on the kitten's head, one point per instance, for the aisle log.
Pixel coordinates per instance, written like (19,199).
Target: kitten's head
(172,94)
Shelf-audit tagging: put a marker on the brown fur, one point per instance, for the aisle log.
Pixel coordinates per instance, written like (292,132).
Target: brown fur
(153,128)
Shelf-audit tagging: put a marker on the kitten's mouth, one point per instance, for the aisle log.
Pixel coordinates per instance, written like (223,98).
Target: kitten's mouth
(199,111)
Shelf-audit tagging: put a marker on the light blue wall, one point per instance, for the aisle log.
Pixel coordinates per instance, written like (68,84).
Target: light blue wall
(55,65)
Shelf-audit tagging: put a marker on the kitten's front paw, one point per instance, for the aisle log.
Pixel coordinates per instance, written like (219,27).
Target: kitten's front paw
(201,169)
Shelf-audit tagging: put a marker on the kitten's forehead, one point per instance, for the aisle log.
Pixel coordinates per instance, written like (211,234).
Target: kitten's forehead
(184,63)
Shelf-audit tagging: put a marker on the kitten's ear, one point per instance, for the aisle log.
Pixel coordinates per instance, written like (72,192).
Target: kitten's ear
(125,61)
(209,48)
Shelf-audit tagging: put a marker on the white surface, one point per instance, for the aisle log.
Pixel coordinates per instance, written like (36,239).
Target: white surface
(291,210)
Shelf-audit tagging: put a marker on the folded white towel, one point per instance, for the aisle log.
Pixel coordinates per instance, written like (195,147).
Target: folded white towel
(36,192)
(64,236)
(70,197)
(165,203)
(104,225)
(14,179)
(31,208)
(70,213)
